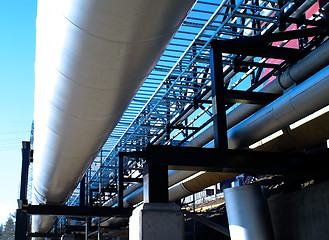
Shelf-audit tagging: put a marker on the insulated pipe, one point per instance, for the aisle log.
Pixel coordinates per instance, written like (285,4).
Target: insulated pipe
(177,191)
(197,184)
(308,135)
(311,134)
(91,58)
(304,99)
(247,213)
(173,178)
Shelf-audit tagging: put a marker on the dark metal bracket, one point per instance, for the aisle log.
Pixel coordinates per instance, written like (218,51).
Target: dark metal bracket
(161,158)
(237,96)
(76,211)
(257,46)
(301,21)
(45,235)
(170,127)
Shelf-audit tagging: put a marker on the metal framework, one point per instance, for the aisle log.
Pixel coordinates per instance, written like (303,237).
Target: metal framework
(158,113)
(176,101)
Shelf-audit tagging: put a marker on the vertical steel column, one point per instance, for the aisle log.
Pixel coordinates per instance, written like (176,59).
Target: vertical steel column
(56,226)
(193,220)
(87,228)
(83,191)
(88,203)
(100,195)
(155,183)
(120,180)
(21,225)
(26,150)
(218,100)
(100,179)
(22,219)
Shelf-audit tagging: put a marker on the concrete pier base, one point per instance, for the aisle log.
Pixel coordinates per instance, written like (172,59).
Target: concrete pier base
(160,221)
(301,215)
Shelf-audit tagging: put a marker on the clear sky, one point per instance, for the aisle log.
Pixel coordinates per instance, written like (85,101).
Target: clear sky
(17,48)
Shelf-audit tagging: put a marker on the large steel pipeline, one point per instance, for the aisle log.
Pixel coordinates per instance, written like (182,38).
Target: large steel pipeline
(91,58)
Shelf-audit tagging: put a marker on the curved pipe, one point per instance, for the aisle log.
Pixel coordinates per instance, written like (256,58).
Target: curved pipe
(91,58)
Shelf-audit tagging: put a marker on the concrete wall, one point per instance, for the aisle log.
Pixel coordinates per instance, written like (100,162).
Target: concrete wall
(301,215)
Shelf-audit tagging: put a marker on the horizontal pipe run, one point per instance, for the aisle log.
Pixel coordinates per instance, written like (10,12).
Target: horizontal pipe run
(82,88)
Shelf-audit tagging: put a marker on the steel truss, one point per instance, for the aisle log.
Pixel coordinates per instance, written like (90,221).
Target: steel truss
(156,114)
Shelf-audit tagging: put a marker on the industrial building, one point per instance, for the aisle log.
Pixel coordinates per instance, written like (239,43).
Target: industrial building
(167,119)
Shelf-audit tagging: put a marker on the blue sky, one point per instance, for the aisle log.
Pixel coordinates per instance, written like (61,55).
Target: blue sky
(17,48)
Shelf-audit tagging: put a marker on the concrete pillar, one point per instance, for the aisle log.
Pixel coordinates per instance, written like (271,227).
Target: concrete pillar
(160,221)
(247,213)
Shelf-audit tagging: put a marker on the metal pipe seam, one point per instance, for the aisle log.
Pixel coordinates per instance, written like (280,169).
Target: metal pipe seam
(311,134)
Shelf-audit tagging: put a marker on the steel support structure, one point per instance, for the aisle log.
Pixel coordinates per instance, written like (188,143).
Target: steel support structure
(22,214)
(155,182)
(82,196)
(68,211)
(182,75)
(22,219)
(75,211)
(120,180)
(256,46)
(218,99)
(236,161)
